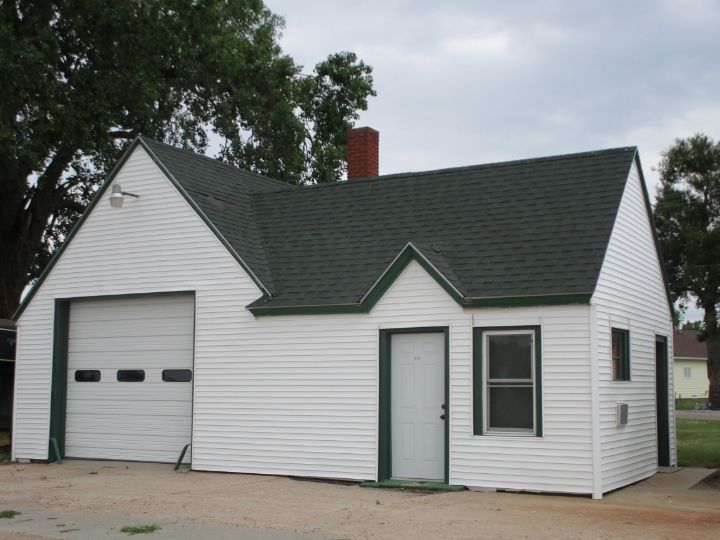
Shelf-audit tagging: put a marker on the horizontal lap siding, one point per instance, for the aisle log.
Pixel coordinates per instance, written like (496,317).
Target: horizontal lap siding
(630,294)
(298,395)
(153,244)
(695,386)
(560,460)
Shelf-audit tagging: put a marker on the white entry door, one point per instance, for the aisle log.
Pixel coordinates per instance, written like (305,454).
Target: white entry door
(417,396)
(129,381)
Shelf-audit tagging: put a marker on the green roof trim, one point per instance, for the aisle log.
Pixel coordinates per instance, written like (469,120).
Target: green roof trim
(388,277)
(56,257)
(142,142)
(412,253)
(529,301)
(520,233)
(656,239)
(203,216)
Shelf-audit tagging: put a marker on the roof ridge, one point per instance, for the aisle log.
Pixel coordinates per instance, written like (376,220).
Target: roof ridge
(463,168)
(216,161)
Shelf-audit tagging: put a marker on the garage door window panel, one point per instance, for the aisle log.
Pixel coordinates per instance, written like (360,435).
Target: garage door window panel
(87,375)
(131,375)
(176,375)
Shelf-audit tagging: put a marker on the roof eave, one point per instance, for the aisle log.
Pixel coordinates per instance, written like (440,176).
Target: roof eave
(138,141)
(83,217)
(409,253)
(204,217)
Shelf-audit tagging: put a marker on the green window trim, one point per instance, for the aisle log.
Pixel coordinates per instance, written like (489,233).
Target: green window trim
(622,373)
(479,383)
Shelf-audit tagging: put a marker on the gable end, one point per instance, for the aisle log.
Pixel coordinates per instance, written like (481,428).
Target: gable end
(138,142)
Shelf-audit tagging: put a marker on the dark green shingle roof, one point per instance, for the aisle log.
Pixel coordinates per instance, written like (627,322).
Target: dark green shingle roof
(530,228)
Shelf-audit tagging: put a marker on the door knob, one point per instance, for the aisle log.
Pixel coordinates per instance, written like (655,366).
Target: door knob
(442,417)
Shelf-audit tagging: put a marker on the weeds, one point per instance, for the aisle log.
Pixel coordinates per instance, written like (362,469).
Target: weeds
(140,529)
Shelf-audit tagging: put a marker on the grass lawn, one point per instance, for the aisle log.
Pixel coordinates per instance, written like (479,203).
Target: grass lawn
(688,404)
(698,443)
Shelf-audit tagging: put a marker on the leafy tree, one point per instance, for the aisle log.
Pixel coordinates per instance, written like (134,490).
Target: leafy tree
(698,326)
(687,213)
(81,78)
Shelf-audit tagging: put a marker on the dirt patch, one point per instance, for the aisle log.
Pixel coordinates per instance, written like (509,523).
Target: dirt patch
(156,494)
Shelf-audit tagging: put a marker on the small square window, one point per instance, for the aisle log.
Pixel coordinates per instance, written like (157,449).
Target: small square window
(620,355)
(687,373)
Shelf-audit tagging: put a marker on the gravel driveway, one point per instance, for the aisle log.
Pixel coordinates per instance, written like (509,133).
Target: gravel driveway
(698,415)
(95,499)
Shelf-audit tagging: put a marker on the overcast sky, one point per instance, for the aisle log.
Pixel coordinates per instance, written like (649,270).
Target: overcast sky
(466,82)
(462,82)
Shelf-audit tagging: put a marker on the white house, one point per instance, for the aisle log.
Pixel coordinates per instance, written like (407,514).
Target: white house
(498,326)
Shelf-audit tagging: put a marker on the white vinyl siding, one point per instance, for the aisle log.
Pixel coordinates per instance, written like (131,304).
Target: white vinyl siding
(560,460)
(298,395)
(630,295)
(154,244)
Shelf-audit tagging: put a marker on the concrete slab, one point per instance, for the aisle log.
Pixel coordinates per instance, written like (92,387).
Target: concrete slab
(83,525)
(681,479)
(98,498)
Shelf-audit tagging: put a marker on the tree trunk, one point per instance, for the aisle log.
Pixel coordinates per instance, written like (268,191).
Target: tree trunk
(713,371)
(712,340)
(16,258)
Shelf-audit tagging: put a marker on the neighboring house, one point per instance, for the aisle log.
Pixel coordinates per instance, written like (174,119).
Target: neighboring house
(8,337)
(690,365)
(495,326)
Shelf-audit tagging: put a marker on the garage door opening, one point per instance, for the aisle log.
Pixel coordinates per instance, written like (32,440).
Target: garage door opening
(128,378)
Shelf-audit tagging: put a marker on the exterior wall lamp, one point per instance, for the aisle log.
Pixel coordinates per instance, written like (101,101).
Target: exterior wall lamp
(118,196)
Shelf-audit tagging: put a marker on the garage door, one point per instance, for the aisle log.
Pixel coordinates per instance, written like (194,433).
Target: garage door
(129,384)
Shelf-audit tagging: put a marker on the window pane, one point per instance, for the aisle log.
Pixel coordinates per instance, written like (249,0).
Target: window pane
(511,407)
(130,375)
(176,375)
(620,361)
(87,375)
(510,356)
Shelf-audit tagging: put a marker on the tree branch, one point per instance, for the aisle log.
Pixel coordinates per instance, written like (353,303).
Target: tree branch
(72,205)
(123,134)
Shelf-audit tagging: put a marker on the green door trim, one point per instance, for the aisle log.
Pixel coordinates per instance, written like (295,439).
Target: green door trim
(384,412)
(662,400)
(58,392)
(61,336)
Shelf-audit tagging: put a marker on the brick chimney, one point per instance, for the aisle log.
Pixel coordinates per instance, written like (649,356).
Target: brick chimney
(362,153)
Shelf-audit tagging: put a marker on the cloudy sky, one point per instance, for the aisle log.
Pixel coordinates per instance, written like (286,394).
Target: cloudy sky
(461,82)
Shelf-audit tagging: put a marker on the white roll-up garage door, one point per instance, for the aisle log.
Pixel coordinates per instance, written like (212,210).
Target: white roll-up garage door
(129,385)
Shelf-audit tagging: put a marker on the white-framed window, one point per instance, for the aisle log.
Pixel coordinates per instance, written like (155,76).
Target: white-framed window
(509,382)
(687,372)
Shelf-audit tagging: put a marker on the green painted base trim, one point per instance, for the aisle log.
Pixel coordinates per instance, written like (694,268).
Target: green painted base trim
(56,450)
(182,455)
(413,484)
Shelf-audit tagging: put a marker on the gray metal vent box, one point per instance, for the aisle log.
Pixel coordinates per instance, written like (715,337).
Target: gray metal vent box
(622,414)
